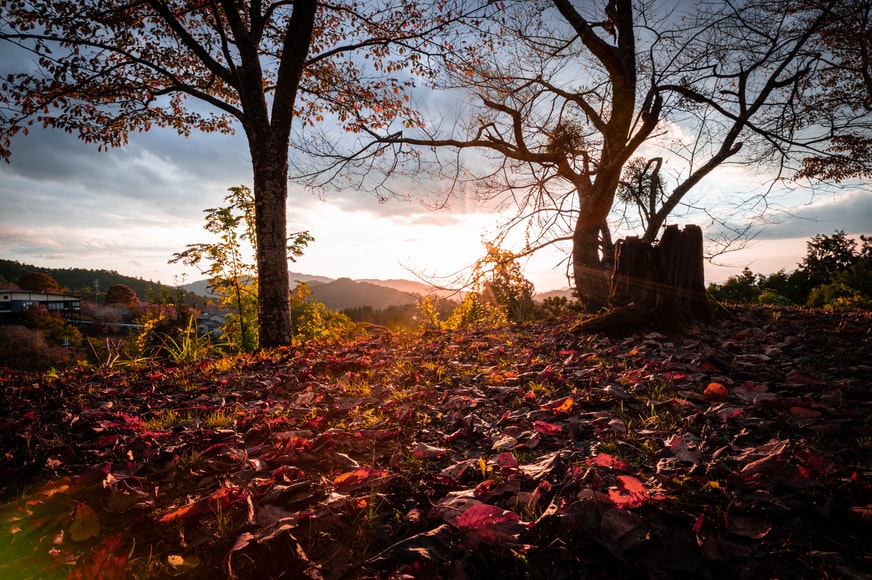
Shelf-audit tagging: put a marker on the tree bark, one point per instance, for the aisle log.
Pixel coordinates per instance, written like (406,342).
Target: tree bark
(656,286)
(270,201)
(591,278)
(268,142)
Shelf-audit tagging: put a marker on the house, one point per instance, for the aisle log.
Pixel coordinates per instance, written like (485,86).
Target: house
(14,303)
(211,323)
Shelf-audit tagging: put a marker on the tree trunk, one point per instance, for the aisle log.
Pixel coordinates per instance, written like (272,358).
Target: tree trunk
(270,201)
(591,277)
(657,286)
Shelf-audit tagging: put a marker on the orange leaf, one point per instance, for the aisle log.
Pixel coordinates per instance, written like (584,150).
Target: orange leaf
(560,406)
(106,561)
(221,499)
(716,391)
(359,476)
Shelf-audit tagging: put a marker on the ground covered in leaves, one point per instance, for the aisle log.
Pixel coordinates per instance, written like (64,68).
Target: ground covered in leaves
(740,449)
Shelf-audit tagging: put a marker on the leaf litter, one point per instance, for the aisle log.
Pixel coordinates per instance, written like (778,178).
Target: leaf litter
(739,449)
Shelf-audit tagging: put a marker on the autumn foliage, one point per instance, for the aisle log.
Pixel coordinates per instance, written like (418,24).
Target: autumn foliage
(739,449)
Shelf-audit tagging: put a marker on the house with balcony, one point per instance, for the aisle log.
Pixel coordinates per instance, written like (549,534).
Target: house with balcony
(15,303)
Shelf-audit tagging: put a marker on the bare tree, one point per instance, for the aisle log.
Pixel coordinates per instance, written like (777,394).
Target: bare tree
(566,94)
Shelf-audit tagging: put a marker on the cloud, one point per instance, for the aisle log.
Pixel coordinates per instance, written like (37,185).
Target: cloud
(851,212)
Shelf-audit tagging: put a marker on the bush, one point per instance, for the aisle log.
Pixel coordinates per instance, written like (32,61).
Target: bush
(162,325)
(313,320)
(476,312)
(772,298)
(838,295)
(27,349)
(53,327)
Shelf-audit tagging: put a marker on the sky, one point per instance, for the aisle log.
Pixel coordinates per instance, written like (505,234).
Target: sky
(63,204)
(66,205)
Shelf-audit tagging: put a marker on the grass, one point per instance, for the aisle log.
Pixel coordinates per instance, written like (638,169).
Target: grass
(219,419)
(167,418)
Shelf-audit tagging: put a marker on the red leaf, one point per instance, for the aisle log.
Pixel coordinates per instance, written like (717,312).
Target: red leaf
(801,378)
(484,515)
(697,525)
(506,461)
(103,563)
(546,428)
(802,412)
(349,480)
(606,460)
(631,493)
(424,451)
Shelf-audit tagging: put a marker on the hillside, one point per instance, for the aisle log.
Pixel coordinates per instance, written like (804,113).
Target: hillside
(738,450)
(81,280)
(336,294)
(411,287)
(346,293)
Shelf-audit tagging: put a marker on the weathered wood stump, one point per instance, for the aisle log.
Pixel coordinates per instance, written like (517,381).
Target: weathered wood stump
(655,286)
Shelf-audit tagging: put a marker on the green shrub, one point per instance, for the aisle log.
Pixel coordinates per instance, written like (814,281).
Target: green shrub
(838,295)
(771,297)
(313,320)
(476,312)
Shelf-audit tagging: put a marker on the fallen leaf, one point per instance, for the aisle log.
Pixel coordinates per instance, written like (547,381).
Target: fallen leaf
(547,428)
(559,406)
(424,451)
(85,524)
(631,493)
(716,391)
(106,561)
(360,476)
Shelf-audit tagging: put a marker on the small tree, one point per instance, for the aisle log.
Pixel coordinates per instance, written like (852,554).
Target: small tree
(508,286)
(39,282)
(232,275)
(828,255)
(122,295)
(739,289)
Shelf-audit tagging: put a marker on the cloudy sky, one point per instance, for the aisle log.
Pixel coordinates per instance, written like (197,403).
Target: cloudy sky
(64,204)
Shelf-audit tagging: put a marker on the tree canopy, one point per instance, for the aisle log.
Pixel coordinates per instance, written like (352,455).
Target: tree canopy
(104,68)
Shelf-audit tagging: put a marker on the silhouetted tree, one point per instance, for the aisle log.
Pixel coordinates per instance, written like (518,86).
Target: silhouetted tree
(580,87)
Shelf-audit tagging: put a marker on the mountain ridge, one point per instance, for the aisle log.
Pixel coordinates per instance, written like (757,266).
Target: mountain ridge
(335,293)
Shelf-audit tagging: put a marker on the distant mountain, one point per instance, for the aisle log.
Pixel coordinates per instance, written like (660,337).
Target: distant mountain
(346,293)
(307,278)
(411,287)
(563,293)
(201,287)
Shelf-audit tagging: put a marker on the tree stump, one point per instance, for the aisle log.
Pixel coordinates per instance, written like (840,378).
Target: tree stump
(655,286)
